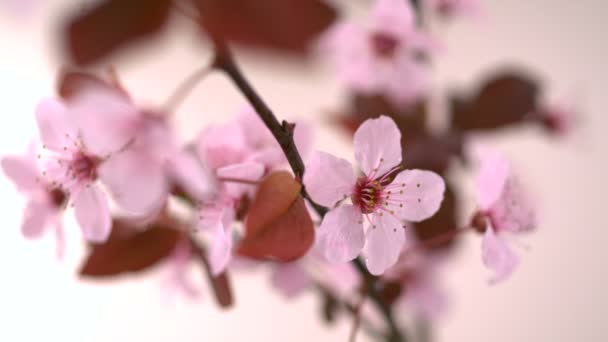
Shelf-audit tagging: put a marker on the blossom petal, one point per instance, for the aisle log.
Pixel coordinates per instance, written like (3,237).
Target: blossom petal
(220,146)
(191,175)
(385,239)
(491,178)
(377,145)
(497,256)
(341,235)
(290,279)
(416,194)
(328,179)
(56,130)
(220,251)
(35,218)
(107,121)
(136,181)
(92,213)
(514,210)
(22,171)
(248,171)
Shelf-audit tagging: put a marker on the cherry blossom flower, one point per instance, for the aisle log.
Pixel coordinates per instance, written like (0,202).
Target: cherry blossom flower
(384,197)
(383,58)
(91,138)
(453,8)
(44,204)
(507,209)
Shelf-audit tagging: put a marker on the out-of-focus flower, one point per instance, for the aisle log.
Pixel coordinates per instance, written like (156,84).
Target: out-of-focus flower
(45,204)
(384,58)
(559,118)
(454,8)
(95,137)
(383,197)
(505,209)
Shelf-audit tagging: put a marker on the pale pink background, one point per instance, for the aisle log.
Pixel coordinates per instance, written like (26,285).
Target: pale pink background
(558,294)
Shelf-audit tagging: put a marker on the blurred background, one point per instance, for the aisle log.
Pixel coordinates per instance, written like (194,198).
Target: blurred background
(558,293)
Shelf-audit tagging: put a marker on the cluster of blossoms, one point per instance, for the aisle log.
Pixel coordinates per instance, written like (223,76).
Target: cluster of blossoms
(113,161)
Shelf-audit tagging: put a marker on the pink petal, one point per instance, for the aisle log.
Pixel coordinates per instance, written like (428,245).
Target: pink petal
(271,157)
(191,175)
(416,194)
(393,16)
(497,256)
(220,251)
(179,270)
(405,82)
(491,179)
(377,145)
(290,279)
(136,181)
(256,134)
(427,299)
(55,128)
(514,210)
(35,218)
(328,179)
(384,241)
(341,236)
(106,119)
(92,213)
(22,171)
(249,172)
(59,238)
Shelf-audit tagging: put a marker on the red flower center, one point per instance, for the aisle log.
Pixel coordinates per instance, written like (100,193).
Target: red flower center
(384,44)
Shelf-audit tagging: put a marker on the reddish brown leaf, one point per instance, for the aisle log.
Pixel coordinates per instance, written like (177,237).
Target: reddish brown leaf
(506,99)
(71,82)
(220,284)
(287,25)
(129,250)
(112,25)
(278,225)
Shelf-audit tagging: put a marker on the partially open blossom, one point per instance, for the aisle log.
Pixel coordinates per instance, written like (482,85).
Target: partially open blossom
(505,209)
(91,138)
(383,58)
(44,203)
(453,8)
(382,198)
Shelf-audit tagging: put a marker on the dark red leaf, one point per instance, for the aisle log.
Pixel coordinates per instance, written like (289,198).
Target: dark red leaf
(112,25)
(278,225)
(220,284)
(506,99)
(129,250)
(287,25)
(72,82)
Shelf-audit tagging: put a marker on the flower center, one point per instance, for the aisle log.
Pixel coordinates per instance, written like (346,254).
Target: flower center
(82,167)
(384,44)
(368,195)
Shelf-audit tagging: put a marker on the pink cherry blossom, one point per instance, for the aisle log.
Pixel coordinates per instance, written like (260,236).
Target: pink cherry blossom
(218,214)
(44,204)
(383,58)
(92,138)
(453,8)
(507,210)
(382,199)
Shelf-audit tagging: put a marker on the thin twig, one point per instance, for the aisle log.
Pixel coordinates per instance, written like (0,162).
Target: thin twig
(184,88)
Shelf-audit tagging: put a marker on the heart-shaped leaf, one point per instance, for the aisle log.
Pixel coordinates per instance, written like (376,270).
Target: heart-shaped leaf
(278,225)
(129,250)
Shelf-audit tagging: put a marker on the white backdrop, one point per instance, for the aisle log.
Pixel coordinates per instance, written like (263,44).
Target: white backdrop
(558,294)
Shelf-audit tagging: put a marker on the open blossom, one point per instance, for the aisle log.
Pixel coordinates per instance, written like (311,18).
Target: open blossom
(90,139)
(44,204)
(382,199)
(383,58)
(506,209)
